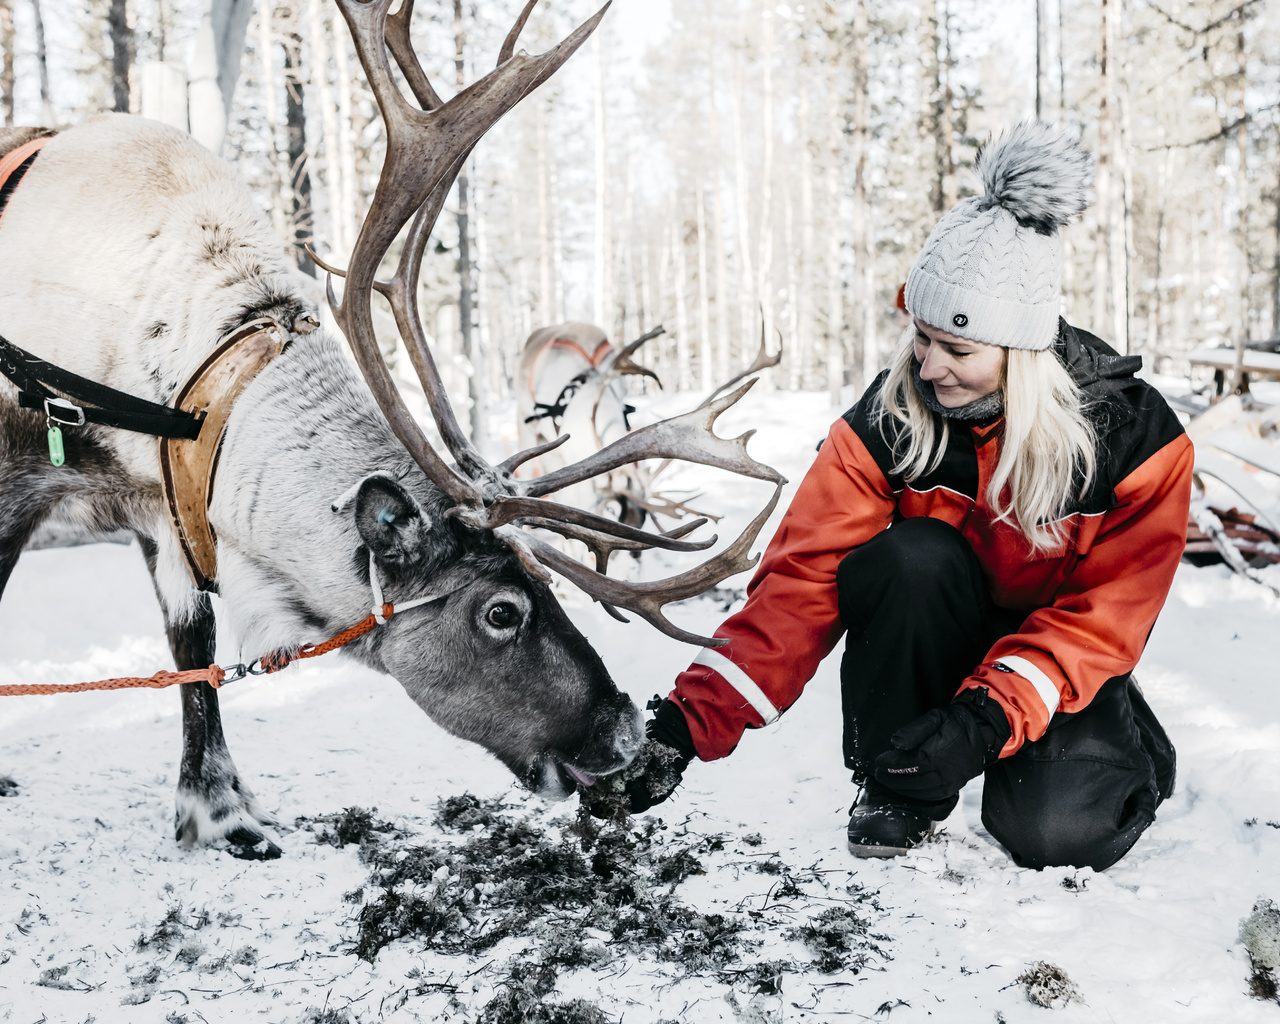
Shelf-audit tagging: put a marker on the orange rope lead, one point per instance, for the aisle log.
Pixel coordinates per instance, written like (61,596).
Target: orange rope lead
(212,675)
(282,659)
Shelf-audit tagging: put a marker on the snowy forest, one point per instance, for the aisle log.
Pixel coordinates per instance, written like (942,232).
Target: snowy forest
(731,171)
(713,164)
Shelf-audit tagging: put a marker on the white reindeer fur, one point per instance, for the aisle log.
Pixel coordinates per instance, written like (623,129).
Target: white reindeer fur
(123,224)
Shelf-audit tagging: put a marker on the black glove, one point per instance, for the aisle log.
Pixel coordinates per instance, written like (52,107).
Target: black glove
(935,755)
(653,775)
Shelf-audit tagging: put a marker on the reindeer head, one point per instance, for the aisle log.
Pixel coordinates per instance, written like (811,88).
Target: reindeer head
(494,658)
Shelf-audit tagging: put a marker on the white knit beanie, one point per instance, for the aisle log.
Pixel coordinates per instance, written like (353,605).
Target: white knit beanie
(991,270)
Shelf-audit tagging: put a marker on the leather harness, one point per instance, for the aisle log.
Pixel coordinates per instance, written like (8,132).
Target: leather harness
(188,467)
(190,431)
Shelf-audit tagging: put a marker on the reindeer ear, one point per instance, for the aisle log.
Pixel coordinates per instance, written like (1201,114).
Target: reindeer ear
(391,522)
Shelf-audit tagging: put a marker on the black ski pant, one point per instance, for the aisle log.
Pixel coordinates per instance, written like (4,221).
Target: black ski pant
(919,620)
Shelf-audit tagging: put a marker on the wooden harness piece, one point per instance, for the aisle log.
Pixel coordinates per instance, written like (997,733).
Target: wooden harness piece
(188,468)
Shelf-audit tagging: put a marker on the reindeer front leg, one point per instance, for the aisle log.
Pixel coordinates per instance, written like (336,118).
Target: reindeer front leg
(213,805)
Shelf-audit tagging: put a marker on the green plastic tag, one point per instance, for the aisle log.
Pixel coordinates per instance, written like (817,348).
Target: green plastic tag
(57,455)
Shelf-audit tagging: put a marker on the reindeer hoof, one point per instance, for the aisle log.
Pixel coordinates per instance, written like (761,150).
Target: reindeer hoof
(245,844)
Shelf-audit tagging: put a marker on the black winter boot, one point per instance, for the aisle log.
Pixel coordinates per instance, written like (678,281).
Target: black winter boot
(883,824)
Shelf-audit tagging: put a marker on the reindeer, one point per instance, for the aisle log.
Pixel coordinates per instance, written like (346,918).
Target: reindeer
(133,257)
(570,378)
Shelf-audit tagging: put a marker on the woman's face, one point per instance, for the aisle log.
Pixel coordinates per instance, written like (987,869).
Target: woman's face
(961,371)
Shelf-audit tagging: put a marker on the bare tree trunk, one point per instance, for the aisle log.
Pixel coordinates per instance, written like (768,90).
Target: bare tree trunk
(557,243)
(601,311)
(835,295)
(1041,57)
(6,62)
(1120,222)
(666,253)
(295,118)
(466,295)
(684,376)
(265,12)
(705,366)
(1102,179)
(42,66)
(719,239)
(121,54)
(803,359)
(544,222)
(862,297)
(523,307)
(1275,270)
(765,288)
(215,68)
(741,187)
(947,163)
(631,326)
(646,291)
(1242,200)
(321,90)
(1157,291)
(348,212)
(930,100)
(793,286)
(1062,65)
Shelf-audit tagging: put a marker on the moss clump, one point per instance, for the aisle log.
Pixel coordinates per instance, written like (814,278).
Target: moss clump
(838,938)
(1260,934)
(523,1000)
(175,927)
(1048,985)
(352,826)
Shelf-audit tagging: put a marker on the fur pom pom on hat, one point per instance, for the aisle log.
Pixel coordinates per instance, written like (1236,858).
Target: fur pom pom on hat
(991,270)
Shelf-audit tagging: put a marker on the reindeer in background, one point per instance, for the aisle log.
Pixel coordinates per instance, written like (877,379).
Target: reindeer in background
(570,380)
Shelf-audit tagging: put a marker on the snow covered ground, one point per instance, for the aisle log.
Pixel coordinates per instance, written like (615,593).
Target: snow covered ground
(90,867)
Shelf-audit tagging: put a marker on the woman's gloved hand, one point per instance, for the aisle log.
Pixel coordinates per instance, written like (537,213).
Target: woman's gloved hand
(653,775)
(935,755)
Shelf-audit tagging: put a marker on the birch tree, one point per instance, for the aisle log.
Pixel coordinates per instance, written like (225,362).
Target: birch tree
(6,61)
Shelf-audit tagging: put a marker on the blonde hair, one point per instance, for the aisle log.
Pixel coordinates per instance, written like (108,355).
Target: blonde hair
(1048,454)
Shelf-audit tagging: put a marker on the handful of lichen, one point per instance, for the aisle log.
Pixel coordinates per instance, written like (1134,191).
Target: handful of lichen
(651,777)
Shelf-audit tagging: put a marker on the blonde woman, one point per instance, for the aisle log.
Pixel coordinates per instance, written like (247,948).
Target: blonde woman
(995,525)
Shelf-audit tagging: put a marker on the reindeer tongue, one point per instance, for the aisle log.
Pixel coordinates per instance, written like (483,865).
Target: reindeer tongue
(584,779)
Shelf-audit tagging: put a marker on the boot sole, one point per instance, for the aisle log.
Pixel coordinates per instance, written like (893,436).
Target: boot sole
(863,850)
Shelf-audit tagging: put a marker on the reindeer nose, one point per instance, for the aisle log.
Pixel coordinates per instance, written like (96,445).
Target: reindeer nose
(630,734)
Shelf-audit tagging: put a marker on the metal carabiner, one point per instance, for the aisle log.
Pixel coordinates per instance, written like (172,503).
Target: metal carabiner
(233,673)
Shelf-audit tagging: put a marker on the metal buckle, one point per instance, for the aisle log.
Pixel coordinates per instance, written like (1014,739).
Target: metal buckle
(52,404)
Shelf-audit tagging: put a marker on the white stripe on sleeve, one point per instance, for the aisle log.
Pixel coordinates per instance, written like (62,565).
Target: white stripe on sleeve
(1043,684)
(740,681)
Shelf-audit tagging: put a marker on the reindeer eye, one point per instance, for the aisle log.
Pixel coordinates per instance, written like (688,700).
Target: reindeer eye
(503,616)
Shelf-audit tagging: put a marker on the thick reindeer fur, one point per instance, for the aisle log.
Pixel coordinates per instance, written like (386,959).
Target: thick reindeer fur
(1038,173)
(125,255)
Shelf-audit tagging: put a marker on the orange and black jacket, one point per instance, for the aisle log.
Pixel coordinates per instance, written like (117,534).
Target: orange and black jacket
(1089,605)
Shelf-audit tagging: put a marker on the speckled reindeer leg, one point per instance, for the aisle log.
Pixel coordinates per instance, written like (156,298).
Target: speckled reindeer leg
(213,805)
(18,520)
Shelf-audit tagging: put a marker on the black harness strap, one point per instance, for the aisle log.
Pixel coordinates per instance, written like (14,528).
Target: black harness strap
(34,378)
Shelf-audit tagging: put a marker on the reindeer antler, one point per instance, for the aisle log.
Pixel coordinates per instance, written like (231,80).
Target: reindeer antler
(427,146)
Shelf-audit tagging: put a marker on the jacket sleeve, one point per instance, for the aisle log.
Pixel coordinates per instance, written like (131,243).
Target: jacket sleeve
(1103,612)
(791,619)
